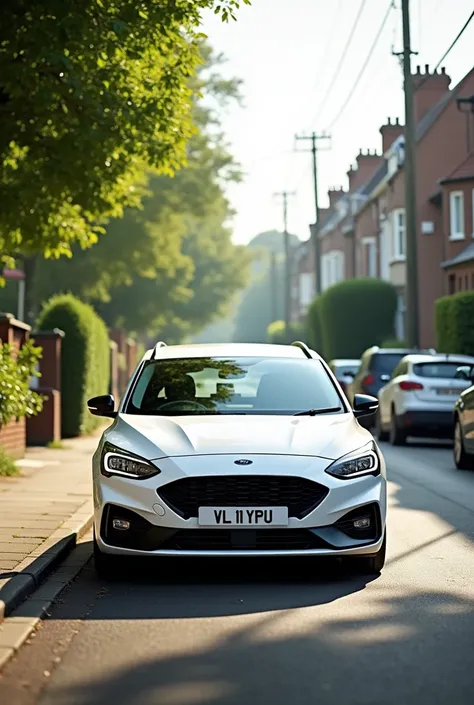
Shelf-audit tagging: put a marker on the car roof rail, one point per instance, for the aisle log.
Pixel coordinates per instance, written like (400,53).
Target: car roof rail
(303,347)
(160,344)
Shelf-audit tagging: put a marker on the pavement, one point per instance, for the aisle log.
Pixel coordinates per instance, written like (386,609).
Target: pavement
(42,513)
(258,632)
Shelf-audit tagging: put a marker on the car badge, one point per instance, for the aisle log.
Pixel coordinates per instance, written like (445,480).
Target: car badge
(243,461)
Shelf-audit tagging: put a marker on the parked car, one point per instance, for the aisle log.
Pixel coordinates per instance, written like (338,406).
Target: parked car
(237,450)
(376,367)
(420,397)
(344,371)
(464,421)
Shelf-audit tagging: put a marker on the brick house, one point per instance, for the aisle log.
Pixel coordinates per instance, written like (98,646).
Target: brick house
(363,233)
(458,227)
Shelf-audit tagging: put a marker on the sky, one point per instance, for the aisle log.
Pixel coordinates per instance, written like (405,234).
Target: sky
(286,52)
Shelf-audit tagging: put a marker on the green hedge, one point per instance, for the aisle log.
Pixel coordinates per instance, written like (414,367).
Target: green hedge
(454,320)
(314,327)
(394,344)
(356,314)
(85,363)
(277,334)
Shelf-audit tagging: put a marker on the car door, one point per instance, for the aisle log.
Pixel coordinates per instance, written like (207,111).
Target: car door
(466,412)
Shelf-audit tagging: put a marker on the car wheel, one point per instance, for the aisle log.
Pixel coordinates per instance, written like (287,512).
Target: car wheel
(462,460)
(369,565)
(379,433)
(106,565)
(397,436)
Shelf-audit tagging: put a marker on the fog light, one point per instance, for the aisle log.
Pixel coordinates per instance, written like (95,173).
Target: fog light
(362,523)
(121,524)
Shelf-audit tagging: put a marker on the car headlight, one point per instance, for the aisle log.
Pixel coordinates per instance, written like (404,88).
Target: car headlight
(364,461)
(120,462)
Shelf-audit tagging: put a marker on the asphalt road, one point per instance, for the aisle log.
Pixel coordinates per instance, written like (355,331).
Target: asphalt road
(282,633)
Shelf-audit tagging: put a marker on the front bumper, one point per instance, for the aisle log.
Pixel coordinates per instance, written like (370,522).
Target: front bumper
(162,531)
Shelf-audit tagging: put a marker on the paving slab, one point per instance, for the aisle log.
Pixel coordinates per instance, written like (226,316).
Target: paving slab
(43,513)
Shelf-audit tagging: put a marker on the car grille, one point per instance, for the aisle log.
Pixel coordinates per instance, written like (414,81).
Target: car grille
(300,495)
(243,540)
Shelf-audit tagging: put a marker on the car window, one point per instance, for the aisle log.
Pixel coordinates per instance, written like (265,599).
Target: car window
(385,364)
(436,370)
(241,385)
(341,370)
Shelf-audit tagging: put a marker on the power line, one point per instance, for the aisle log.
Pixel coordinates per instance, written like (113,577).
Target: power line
(453,44)
(364,66)
(341,61)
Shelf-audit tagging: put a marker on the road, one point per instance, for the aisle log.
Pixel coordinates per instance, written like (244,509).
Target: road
(279,633)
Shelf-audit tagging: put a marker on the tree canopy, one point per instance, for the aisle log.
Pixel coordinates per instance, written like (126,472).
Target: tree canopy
(170,265)
(90,93)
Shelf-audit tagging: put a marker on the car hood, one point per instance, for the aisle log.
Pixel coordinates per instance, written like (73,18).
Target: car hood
(155,437)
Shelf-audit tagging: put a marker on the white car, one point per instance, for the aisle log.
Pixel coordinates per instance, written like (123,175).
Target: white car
(419,399)
(237,450)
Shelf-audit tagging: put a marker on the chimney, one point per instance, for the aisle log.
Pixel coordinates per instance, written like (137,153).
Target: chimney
(367,163)
(390,132)
(334,195)
(428,89)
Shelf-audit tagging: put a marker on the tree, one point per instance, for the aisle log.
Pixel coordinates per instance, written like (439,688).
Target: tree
(170,265)
(90,94)
(255,312)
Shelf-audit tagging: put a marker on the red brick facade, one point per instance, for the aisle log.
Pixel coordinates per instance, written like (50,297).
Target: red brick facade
(367,224)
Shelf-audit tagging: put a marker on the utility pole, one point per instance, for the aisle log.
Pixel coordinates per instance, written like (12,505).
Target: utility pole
(412,323)
(313,138)
(285,195)
(273,285)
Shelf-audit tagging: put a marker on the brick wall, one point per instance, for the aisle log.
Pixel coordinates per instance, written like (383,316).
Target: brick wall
(13,435)
(13,438)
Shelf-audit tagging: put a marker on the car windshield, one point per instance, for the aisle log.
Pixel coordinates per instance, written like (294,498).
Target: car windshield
(437,370)
(195,386)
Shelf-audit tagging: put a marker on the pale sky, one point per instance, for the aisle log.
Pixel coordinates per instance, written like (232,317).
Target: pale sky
(286,52)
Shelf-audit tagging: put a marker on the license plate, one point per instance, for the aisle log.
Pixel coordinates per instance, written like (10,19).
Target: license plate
(448,392)
(243,516)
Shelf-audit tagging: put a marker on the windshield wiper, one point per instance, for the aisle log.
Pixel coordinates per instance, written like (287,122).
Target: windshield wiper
(314,412)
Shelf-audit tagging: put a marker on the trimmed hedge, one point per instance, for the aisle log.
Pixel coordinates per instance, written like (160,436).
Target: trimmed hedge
(85,363)
(277,334)
(356,314)
(394,344)
(454,319)
(314,327)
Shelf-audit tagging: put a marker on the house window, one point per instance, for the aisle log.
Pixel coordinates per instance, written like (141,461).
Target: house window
(370,257)
(459,283)
(399,234)
(332,266)
(452,284)
(456,215)
(472,214)
(472,280)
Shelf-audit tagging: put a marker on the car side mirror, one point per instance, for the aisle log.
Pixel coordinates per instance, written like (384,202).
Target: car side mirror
(102,406)
(364,405)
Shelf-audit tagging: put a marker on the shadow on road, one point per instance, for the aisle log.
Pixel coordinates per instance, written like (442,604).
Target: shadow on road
(396,649)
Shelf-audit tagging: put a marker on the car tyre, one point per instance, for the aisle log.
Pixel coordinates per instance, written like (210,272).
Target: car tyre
(397,435)
(369,565)
(105,564)
(462,460)
(379,433)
